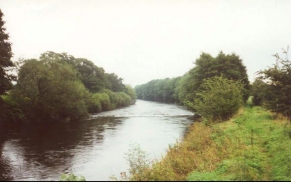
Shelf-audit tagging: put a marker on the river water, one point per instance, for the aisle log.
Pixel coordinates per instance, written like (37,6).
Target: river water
(94,148)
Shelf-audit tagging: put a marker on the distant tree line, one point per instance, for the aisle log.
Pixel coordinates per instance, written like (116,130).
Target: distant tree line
(161,90)
(56,87)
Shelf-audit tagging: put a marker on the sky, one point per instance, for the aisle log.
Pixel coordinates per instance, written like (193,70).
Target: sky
(144,40)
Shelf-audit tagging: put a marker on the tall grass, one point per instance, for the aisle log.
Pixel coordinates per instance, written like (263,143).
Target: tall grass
(253,145)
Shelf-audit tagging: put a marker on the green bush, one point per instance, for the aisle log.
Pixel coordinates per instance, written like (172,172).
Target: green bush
(108,100)
(219,98)
(123,99)
(105,102)
(95,103)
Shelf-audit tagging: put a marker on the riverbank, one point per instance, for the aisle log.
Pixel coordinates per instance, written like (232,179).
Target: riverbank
(253,145)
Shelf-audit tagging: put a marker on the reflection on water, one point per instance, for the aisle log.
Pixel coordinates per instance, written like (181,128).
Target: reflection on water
(93,148)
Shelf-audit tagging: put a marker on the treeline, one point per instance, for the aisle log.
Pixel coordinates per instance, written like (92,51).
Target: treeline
(60,87)
(219,84)
(56,87)
(161,90)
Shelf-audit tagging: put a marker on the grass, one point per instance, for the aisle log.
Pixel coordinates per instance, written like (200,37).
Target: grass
(253,145)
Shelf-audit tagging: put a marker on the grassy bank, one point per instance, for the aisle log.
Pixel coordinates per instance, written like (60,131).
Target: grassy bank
(253,145)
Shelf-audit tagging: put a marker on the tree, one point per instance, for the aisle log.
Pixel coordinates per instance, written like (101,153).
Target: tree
(50,90)
(115,83)
(278,80)
(219,98)
(5,58)
(92,76)
(206,66)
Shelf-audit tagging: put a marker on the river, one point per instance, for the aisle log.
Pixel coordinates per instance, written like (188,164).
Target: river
(94,148)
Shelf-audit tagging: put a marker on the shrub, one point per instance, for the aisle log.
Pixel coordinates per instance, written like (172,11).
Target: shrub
(219,98)
(95,103)
(105,102)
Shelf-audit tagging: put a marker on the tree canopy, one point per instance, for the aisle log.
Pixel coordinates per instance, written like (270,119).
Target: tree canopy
(5,57)
(278,85)
(50,90)
(228,66)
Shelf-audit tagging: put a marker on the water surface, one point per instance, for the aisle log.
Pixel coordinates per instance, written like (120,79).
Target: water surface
(93,148)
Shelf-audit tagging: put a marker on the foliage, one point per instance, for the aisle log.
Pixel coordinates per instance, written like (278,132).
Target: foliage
(106,100)
(6,65)
(138,162)
(278,85)
(5,58)
(219,98)
(60,87)
(161,90)
(10,111)
(184,89)
(131,92)
(259,91)
(92,77)
(50,90)
(71,177)
(116,84)
(206,66)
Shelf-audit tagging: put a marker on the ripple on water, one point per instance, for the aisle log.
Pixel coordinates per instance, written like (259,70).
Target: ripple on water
(93,148)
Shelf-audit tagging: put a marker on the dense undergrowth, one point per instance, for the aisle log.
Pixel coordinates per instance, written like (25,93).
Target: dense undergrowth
(253,145)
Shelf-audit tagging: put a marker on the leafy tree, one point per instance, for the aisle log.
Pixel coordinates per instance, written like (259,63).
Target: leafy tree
(5,58)
(278,81)
(219,98)
(91,76)
(115,83)
(7,112)
(206,66)
(50,90)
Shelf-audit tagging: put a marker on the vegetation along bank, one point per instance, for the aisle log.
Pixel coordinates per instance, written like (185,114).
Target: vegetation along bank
(55,87)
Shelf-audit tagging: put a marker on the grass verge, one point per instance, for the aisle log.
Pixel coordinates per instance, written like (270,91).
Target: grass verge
(253,145)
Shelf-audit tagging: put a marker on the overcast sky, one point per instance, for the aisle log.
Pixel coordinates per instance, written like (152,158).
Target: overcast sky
(144,40)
